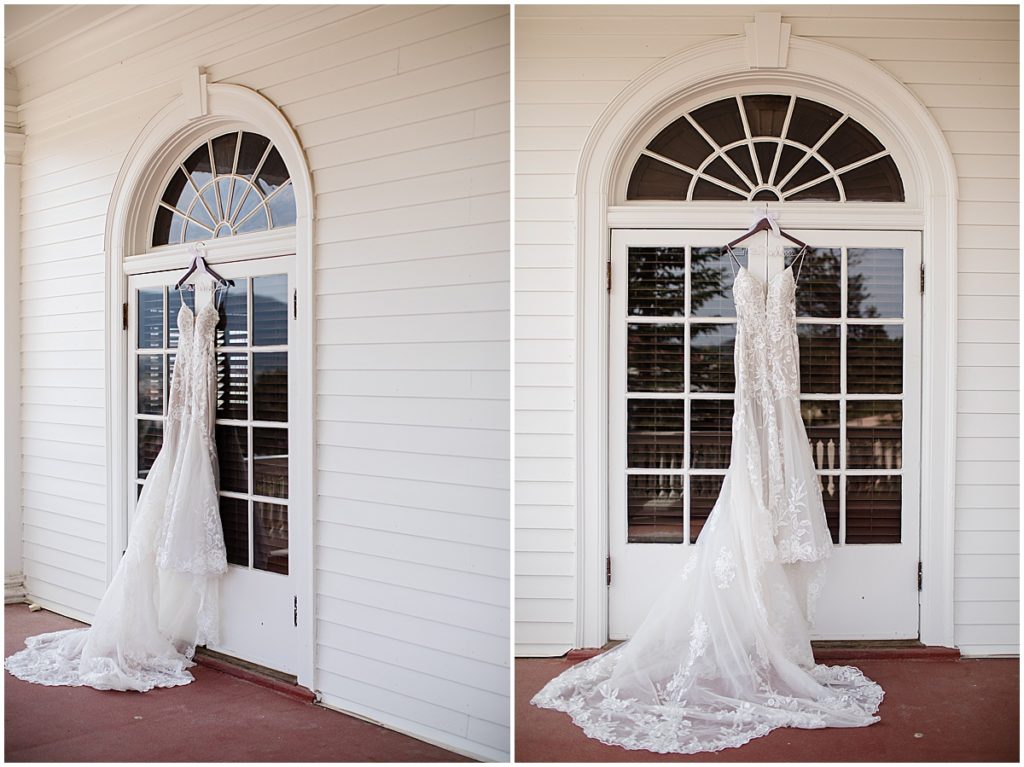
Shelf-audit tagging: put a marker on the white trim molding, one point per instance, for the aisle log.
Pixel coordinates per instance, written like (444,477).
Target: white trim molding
(176,129)
(10,421)
(885,106)
(767,41)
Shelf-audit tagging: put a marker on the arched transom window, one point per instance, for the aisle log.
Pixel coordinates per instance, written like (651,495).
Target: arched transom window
(767,147)
(232,184)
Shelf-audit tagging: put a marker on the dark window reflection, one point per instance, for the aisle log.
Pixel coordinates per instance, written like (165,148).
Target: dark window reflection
(654,508)
(198,166)
(830,499)
(874,359)
(233,457)
(874,434)
(850,142)
(712,272)
(226,186)
(151,318)
(765,152)
(681,142)
(233,327)
(706,190)
(721,120)
(150,438)
(654,358)
(270,537)
(876,181)
(654,433)
(233,386)
(820,289)
(826,191)
(224,153)
(270,386)
(809,171)
(270,310)
(234,518)
(704,490)
(174,302)
(873,509)
(654,180)
(821,419)
(711,357)
(251,153)
(819,358)
(875,287)
(740,155)
(810,121)
(788,159)
(270,462)
(273,173)
(151,384)
(710,433)
(766,114)
(657,282)
(719,168)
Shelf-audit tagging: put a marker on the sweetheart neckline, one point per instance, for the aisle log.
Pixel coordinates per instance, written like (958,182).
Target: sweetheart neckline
(755,278)
(185,306)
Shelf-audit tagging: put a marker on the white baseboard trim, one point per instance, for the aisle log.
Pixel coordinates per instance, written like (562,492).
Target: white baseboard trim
(14,589)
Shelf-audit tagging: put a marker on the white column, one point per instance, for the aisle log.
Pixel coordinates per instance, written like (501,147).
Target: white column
(14,142)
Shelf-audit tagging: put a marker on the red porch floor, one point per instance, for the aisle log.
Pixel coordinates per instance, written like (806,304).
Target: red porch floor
(217,718)
(934,711)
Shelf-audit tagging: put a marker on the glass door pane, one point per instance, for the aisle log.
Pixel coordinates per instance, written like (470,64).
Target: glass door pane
(251,430)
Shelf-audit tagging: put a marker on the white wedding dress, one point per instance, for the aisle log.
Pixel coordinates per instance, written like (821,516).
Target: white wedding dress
(162,601)
(724,655)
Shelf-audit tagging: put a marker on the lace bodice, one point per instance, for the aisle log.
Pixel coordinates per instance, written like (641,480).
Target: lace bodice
(766,333)
(767,362)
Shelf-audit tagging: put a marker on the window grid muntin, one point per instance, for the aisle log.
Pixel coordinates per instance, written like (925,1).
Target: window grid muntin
(698,172)
(843,322)
(221,217)
(165,351)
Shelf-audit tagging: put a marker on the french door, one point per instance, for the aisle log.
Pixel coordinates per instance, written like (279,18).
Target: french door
(254,434)
(673,328)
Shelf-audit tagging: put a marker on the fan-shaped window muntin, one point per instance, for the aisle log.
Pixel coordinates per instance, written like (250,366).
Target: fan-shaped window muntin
(751,148)
(232,184)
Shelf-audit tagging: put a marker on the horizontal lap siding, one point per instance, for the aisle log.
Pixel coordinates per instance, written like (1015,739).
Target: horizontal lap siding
(403,112)
(961,62)
(67,176)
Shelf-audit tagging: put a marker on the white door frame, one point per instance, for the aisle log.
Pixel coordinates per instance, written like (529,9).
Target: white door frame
(203,111)
(885,106)
(871,591)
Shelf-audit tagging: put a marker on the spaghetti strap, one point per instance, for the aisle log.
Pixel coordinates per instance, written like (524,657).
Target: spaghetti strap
(799,257)
(735,260)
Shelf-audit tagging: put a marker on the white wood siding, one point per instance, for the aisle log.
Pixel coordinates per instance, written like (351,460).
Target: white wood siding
(962,63)
(403,112)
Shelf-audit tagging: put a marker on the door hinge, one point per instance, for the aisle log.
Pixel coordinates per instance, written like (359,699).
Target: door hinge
(295,303)
(920,576)
(608,570)
(124,316)
(922,278)
(295,611)
(608,276)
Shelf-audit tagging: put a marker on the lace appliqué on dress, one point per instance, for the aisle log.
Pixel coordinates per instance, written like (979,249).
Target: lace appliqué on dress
(724,656)
(163,599)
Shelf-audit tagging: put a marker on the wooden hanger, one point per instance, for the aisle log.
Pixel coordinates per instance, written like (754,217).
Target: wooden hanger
(199,262)
(763,224)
